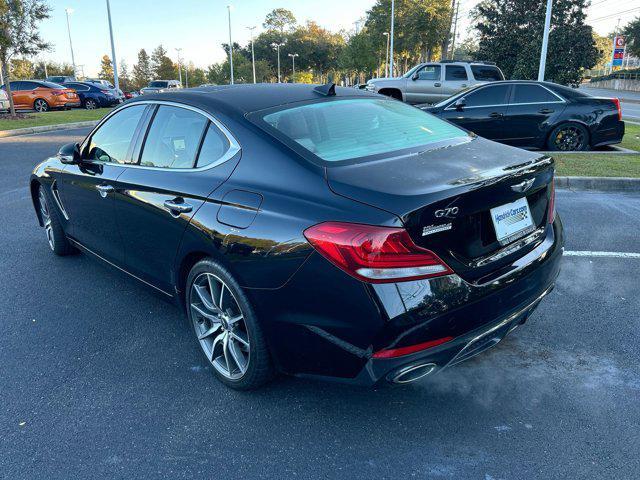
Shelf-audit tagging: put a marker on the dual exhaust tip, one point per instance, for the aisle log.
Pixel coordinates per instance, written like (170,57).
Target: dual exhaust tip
(412,373)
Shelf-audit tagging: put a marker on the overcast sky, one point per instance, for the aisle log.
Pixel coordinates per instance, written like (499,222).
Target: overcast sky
(199,26)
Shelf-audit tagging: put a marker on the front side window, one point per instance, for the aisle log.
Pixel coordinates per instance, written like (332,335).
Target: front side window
(533,94)
(356,128)
(487,96)
(430,72)
(455,72)
(486,73)
(158,84)
(111,142)
(174,138)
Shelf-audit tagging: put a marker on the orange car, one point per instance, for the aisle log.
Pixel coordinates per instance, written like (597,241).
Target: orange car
(42,96)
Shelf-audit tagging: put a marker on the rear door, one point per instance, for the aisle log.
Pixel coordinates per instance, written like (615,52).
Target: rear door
(182,161)
(484,111)
(425,86)
(455,79)
(88,189)
(531,109)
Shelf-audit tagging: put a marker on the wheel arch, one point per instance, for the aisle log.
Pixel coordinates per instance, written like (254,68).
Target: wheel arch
(34,185)
(568,122)
(393,92)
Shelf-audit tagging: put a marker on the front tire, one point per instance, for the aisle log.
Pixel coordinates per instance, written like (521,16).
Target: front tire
(40,105)
(226,327)
(568,137)
(56,237)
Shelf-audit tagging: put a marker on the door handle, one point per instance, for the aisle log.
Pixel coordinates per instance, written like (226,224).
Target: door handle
(546,110)
(437,84)
(496,115)
(104,190)
(177,207)
(464,85)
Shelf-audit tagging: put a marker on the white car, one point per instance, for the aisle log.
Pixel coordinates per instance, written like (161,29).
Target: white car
(4,101)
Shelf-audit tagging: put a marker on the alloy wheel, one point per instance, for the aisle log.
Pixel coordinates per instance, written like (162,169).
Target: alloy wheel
(40,106)
(569,138)
(46,219)
(90,105)
(220,326)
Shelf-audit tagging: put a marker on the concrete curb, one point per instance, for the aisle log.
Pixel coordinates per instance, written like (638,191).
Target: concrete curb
(47,128)
(602,184)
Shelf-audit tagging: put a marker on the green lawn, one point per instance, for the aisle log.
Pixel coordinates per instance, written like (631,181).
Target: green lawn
(631,137)
(54,118)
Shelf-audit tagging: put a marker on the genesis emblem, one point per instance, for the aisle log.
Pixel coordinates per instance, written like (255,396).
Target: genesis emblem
(524,186)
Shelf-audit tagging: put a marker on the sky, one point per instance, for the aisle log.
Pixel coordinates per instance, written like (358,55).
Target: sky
(199,27)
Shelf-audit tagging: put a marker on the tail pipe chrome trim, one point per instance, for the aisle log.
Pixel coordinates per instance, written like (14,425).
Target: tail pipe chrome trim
(412,373)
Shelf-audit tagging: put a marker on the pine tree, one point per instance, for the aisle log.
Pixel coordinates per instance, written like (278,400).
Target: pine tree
(161,65)
(123,76)
(106,68)
(141,70)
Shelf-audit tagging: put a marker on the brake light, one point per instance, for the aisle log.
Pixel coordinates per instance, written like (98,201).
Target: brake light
(616,102)
(399,352)
(374,254)
(551,214)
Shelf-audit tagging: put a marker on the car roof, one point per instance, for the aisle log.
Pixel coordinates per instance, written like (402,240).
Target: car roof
(246,98)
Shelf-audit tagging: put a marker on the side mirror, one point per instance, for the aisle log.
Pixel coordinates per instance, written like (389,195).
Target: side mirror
(70,154)
(415,76)
(460,103)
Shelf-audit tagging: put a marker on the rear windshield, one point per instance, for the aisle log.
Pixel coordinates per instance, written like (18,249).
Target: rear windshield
(50,85)
(158,84)
(357,128)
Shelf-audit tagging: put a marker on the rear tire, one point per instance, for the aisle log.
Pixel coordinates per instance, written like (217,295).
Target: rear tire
(40,105)
(568,137)
(54,232)
(90,104)
(226,327)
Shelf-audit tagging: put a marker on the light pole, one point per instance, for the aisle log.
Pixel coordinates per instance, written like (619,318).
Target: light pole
(386,62)
(277,46)
(179,50)
(293,59)
(69,11)
(113,50)
(393,8)
(230,45)
(253,56)
(545,42)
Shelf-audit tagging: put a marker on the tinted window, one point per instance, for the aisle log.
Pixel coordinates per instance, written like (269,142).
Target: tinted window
(15,86)
(489,74)
(174,138)
(112,140)
(430,72)
(487,96)
(29,85)
(533,94)
(158,84)
(49,85)
(349,129)
(215,145)
(77,86)
(455,72)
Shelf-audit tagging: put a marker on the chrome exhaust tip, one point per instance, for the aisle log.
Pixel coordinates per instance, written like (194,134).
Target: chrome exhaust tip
(412,373)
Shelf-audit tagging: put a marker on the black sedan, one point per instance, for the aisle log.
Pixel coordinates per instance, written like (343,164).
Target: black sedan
(94,96)
(539,115)
(311,230)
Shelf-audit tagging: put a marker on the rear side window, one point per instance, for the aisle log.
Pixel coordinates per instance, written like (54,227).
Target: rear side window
(174,138)
(533,94)
(486,96)
(455,72)
(214,146)
(430,72)
(352,129)
(111,142)
(486,73)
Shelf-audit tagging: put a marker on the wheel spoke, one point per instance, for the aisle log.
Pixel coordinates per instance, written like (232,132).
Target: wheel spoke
(238,357)
(225,351)
(209,316)
(205,298)
(222,287)
(239,337)
(214,328)
(234,320)
(216,342)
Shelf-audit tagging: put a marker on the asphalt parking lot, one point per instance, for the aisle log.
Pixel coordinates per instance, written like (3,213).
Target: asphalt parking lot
(100,378)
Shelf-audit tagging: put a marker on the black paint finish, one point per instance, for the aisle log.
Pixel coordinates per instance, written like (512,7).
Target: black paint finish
(250,212)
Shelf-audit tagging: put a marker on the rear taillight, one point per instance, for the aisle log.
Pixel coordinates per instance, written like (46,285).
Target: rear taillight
(616,102)
(551,214)
(58,92)
(374,254)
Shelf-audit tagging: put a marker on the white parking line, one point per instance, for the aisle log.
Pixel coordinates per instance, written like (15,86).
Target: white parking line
(588,253)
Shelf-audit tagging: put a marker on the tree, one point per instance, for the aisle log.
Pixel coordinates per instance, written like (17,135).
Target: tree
(511,35)
(281,20)
(19,35)
(53,69)
(123,76)
(466,50)
(632,34)
(22,68)
(106,68)
(161,65)
(359,56)
(605,49)
(142,70)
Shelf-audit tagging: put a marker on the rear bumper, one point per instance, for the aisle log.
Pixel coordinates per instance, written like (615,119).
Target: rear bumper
(608,136)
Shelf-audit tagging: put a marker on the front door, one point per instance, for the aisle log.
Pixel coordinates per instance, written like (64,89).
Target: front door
(156,200)
(88,189)
(425,85)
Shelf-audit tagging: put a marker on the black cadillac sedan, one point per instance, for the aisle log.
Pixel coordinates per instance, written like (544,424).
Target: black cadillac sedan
(540,115)
(311,230)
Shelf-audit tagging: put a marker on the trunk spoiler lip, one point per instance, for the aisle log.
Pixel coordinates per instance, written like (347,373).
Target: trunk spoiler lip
(503,173)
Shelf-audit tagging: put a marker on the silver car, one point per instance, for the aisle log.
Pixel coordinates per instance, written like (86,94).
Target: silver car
(157,86)
(435,81)
(4,101)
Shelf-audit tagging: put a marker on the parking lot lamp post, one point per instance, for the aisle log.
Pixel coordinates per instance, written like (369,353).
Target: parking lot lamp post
(179,50)
(277,46)
(113,50)
(386,61)
(393,7)
(69,11)
(545,42)
(253,55)
(293,59)
(230,45)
